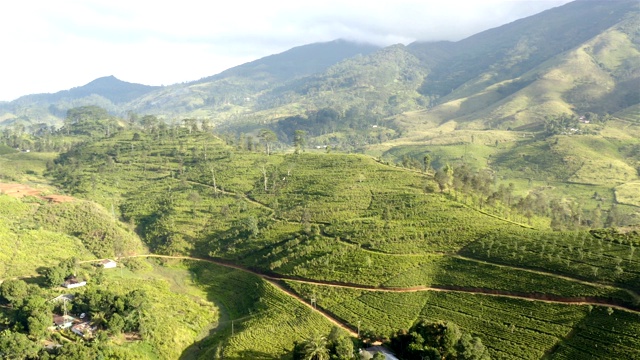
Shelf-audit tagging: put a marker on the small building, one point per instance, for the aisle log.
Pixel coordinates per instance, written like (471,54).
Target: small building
(63,321)
(379,349)
(72,282)
(108,264)
(83,329)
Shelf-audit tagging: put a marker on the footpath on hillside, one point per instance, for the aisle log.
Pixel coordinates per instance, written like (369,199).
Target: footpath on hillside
(276,280)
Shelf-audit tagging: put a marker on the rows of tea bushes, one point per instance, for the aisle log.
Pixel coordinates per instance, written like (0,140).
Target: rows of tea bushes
(360,201)
(455,272)
(327,188)
(604,334)
(579,254)
(312,256)
(271,334)
(266,321)
(322,258)
(379,312)
(510,328)
(405,222)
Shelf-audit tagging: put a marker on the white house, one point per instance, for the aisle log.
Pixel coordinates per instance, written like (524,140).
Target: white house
(62,322)
(108,264)
(370,351)
(72,283)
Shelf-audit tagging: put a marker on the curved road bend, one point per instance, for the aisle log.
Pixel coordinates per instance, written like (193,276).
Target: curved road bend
(273,279)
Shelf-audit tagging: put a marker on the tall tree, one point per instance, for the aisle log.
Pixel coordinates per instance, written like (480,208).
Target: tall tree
(444,177)
(426,162)
(15,345)
(315,348)
(299,140)
(268,137)
(14,291)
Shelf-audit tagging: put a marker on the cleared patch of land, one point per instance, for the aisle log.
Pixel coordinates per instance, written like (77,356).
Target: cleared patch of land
(22,190)
(628,193)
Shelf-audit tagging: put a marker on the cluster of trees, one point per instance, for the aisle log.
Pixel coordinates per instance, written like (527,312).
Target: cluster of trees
(36,137)
(28,320)
(55,275)
(110,311)
(336,346)
(479,187)
(151,124)
(425,340)
(563,124)
(570,124)
(436,341)
(82,122)
(357,122)
(93,122)
(30,312)
(158,229)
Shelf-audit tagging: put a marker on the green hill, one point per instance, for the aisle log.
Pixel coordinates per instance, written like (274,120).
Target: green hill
(345,232)
(483,175)
(348,220)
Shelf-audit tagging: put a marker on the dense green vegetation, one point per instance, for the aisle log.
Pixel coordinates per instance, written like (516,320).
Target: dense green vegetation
(597,256)
(510,328)
(132,316)
(438,340)
(470,219)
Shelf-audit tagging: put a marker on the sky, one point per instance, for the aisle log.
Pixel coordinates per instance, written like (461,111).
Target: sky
(56,45)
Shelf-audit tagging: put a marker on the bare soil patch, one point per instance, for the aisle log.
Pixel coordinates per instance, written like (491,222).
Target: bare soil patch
(21,190)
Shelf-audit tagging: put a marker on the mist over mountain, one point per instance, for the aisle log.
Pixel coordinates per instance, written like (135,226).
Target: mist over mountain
(313,202)
(579,57)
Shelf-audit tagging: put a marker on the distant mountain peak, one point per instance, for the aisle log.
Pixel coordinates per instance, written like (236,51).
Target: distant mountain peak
(108,87)
(298,61)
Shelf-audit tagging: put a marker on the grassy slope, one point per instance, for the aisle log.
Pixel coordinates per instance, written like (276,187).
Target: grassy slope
(368,223)
(572,167)
(258,321)
(19,237)
(594,76)
(179,313)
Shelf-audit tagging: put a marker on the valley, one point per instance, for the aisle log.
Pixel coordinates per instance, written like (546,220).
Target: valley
(471,199)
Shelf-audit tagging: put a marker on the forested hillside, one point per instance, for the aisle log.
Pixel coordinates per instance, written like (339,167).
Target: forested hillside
(463,200)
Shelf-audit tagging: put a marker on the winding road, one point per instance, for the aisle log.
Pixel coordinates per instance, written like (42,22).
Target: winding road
(277,280)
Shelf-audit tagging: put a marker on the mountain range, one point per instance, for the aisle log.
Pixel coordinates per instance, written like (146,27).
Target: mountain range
(580,57)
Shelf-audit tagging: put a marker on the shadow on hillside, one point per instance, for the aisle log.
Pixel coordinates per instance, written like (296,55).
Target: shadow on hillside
(205,348)
(224,288)
(603,333)
(208,348)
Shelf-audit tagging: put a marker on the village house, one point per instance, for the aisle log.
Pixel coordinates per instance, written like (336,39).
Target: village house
(108,264)
(83,329)
(72,282)
(62,321)
(371,351)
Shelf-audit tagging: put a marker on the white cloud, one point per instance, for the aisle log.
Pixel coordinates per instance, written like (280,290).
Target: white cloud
(55,45)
